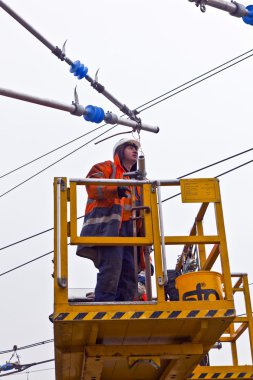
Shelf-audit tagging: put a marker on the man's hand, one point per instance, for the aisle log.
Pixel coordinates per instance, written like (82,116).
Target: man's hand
(122,191)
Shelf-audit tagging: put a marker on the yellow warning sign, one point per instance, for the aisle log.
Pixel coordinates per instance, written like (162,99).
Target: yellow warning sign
(200,190)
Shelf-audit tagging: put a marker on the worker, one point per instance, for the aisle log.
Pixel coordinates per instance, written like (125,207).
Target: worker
(108,213)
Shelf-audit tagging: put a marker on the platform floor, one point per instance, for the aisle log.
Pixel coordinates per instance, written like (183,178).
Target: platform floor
(137,341)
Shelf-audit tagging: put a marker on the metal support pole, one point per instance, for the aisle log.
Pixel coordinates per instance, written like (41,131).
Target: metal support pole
(111,118)
(142,173)
(248,311)
(27,26)
(61,281)
(232,7)
(135,248)
(74,109)
(165,275)
(148,273)
(124,182)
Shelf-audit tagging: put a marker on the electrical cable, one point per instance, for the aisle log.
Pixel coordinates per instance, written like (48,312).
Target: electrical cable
(220,175)
(231,170)
(32,236)
(216,163)
(22,367)
(28,346)
(49,166)
(28,262)
(144,104)
(164,200)
(183,176)
(27,238)
(51,151)
(193,84)
(192,80)
(37,370)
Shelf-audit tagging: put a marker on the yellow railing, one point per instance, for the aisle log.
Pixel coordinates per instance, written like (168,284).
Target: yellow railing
(242,322)
(202,191)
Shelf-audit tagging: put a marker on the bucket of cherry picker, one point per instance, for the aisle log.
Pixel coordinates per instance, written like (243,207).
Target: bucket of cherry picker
(200,286)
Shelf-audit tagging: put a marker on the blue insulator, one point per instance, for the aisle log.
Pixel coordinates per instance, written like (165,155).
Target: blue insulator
(94,114)
(249,18)
(7,367)
(79,70)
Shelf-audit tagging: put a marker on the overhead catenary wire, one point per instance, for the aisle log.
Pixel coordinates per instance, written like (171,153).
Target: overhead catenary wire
(51,151)
(217,176)
(27,238)
(216,163)
(26,263)
(31,236)
(22,367)
(55,162)
(173,196)
(196,78)
(37,370)
(194,84)
(164,200)
(28,346)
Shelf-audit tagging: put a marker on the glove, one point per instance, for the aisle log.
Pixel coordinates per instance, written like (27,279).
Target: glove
(122,191)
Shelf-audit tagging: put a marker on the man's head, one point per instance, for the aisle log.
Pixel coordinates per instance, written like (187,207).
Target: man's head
(127,149)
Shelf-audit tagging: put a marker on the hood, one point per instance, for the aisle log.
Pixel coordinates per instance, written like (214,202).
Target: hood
(118,162)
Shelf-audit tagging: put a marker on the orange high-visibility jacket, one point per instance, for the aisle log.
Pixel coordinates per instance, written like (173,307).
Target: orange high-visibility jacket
(105,211)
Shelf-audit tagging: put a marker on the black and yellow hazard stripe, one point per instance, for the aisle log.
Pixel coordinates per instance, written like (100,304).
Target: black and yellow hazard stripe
(221,375)
(176,314)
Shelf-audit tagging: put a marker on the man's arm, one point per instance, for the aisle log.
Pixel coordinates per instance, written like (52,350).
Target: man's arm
(101,170)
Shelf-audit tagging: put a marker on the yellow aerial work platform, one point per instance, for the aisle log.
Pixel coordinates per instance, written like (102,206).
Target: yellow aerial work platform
(158,338)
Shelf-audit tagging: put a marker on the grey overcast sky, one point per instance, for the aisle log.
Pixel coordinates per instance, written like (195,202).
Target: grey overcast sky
(143,49)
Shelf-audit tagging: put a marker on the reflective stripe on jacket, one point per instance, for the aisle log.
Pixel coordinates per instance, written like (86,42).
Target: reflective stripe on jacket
(105,211)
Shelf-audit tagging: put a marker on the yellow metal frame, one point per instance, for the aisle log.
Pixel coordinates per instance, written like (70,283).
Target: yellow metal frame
(244,321)
(197,190)
(231,336)
(75,239)
(177,318)
(192,191)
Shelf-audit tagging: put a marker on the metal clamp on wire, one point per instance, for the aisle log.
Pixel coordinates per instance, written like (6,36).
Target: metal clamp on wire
(59,53)
(79,109)
(112,118)
(130,113)
(240,10)
(232,7)
(138,126)
(96,85)
(199,3)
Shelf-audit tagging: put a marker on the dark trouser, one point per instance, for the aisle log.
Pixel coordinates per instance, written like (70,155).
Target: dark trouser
(116,278)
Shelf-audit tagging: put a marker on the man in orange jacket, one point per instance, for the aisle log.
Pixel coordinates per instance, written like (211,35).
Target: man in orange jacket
(108,213)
